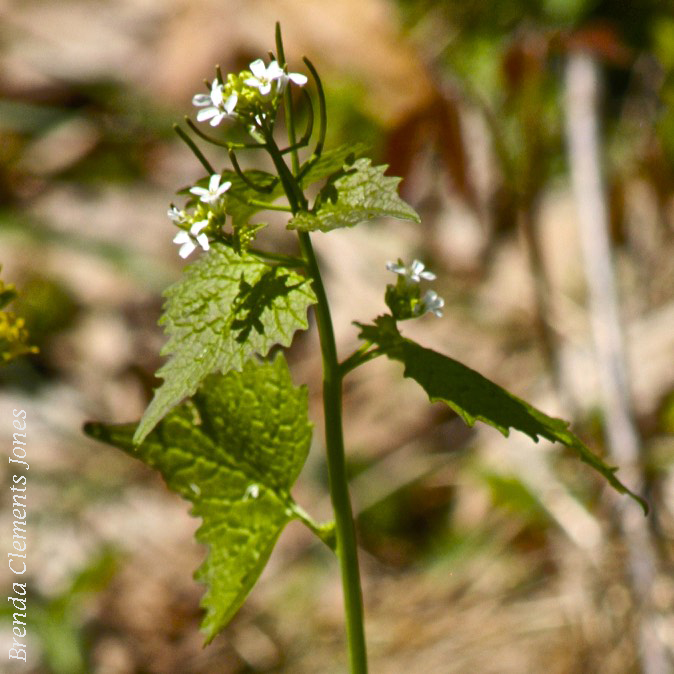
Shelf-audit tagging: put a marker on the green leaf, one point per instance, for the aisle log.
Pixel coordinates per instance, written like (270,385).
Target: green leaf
(359,193)
(474,397)
(226,308)
(234,451)
(331,161)
(239,194)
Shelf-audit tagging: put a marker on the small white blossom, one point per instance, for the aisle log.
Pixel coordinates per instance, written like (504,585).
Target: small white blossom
(214,192)
(415,272)
(177,216)
(218,108)
(188,240)
(264,76)
(431,302)
(297,78)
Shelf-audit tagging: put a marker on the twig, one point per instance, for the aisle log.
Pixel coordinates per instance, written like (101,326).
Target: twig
(582,85)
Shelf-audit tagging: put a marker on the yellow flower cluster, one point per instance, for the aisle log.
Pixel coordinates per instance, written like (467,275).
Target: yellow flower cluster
(13,333)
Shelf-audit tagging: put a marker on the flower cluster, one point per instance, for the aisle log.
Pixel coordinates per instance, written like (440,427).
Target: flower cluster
(249,96)
(13,333)
(404,299)
(208,210)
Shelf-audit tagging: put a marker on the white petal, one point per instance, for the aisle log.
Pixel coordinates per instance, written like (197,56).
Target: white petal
(265,88)
(203,241)
(213,183)
(428,275)
(181,237)
(415,269)
(216,93)
(257,68)
(201,99)
(186,249)
(395,267)
(298,78)
(199,192)
(252,82)
(274,71)
(222,189)
(198,226)
(207,113)
(217,119)
(230,104)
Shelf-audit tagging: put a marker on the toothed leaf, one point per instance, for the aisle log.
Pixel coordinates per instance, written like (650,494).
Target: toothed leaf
(332,161)
(226,308)
(474,397)
(234,450)
(358,193)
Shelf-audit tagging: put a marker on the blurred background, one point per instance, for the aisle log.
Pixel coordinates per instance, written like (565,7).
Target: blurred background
(479,553)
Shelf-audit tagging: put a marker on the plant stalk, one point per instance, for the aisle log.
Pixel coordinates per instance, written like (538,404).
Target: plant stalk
(345,530)
(347,551)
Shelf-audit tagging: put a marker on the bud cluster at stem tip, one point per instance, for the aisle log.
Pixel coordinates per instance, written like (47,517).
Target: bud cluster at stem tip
(250,96)
(404,298)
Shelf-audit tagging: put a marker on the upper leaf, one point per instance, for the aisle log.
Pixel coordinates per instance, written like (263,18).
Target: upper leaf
(358,193)
(331,161)
(473,397)
(224,309)
(234,451)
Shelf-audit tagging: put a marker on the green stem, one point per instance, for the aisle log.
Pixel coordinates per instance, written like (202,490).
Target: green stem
(221,143)
(298,201)
(266,189)
(285,260)
(347,550)
(358,358)
(265,205)
(193,146)
(287,103)
(324,530)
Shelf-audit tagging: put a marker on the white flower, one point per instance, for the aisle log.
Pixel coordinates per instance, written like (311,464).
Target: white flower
(415,272)
(177,217)
(263,77)
(218,108)
(297,78)
(188,240)
(214,192)
(431,302)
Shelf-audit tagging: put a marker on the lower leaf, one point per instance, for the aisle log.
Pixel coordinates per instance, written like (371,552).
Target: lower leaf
(234,451)
(474,397)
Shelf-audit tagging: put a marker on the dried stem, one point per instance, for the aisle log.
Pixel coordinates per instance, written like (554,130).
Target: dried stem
(582,85)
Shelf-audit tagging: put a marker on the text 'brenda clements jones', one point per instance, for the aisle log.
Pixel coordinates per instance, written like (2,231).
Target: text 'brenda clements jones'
(17,558)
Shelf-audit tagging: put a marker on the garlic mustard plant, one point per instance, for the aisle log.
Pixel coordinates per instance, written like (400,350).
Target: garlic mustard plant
(227,428)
